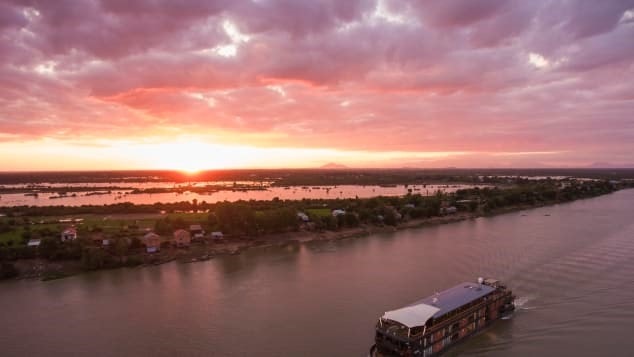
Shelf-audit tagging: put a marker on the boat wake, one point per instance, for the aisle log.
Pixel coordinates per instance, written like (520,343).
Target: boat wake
(522,301)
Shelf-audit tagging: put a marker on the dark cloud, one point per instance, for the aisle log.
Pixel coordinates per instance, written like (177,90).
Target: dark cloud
(457,13)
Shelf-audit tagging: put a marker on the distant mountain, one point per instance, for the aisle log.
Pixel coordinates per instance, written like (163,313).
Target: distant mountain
(609,165)
(332,165)
(601,165)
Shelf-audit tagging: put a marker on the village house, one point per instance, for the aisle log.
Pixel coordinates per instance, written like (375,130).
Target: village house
(217,235)
(182,238)
(152,242)
(338,212)
(196,231)
(302,217)
(69,234)
(34,243)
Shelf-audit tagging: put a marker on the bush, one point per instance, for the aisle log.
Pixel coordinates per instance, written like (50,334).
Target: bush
(135,243)
(94,258)
(8,270)
(133,260)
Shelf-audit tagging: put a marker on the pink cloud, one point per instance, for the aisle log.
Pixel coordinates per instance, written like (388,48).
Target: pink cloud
(435,76)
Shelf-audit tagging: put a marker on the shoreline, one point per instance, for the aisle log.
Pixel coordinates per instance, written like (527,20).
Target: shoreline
(44,270)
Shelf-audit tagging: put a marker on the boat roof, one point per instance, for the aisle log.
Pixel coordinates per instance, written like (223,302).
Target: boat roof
(440,303)
(413,315)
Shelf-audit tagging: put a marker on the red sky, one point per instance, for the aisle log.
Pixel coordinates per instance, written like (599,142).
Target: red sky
(123,84)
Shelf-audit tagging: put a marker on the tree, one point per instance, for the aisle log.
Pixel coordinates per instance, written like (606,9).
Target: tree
(212,220)
(8,270)
(121,248)
(163,226)
(49,247)
(135,243)
(236,218)
(351,219)
(389,217)
(93,258)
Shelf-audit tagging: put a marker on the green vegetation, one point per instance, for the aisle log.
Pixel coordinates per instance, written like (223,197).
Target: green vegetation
(123,225)
(7,270)
(318,212)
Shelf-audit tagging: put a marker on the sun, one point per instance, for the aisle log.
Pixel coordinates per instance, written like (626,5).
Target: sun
(190,170)
(189,157)
(192,155)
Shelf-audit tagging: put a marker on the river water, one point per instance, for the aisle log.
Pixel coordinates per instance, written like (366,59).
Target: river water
(571,265)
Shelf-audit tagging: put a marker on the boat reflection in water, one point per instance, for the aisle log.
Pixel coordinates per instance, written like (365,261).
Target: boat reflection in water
(429,326)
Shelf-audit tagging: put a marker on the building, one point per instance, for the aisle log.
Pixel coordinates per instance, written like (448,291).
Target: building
(448,210)
(302,217)
(69,234)
(217,235)
(338,212)
(196,231)
(152,242)
(182,238)
(34,243)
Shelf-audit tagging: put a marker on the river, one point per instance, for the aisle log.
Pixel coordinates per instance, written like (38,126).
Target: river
(571,265)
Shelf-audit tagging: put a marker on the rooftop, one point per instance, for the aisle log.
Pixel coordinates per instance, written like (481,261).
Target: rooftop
(455,297)
(419,312)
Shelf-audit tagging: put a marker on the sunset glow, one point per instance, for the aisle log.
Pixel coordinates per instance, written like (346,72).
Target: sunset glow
(204,85)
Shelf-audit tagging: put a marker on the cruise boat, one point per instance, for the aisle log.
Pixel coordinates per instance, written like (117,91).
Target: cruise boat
(429,326)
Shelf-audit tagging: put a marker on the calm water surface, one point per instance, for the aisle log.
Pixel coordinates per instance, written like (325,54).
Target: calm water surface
(283,193)
(571,265)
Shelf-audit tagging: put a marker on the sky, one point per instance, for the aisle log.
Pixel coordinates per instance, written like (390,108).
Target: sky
(191,85)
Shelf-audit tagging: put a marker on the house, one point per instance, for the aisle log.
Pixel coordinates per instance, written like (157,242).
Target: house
(196,231)
(338,212)
(302,217)
(33,243)
(152,242)
(217,235)
(182,238)
(69,234)
(409,206)
(448,210)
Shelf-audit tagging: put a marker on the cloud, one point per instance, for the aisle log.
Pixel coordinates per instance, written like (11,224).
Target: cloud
(455,75)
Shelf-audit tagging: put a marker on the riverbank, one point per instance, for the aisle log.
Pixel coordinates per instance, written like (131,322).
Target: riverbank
(43,269)
(32,247)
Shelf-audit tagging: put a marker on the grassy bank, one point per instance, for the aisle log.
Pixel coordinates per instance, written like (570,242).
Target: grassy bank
(254,223)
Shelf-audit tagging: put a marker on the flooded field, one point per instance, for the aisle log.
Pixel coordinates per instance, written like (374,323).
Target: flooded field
(263,192)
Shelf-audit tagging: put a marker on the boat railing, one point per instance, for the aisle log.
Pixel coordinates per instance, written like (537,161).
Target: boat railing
(395,329)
